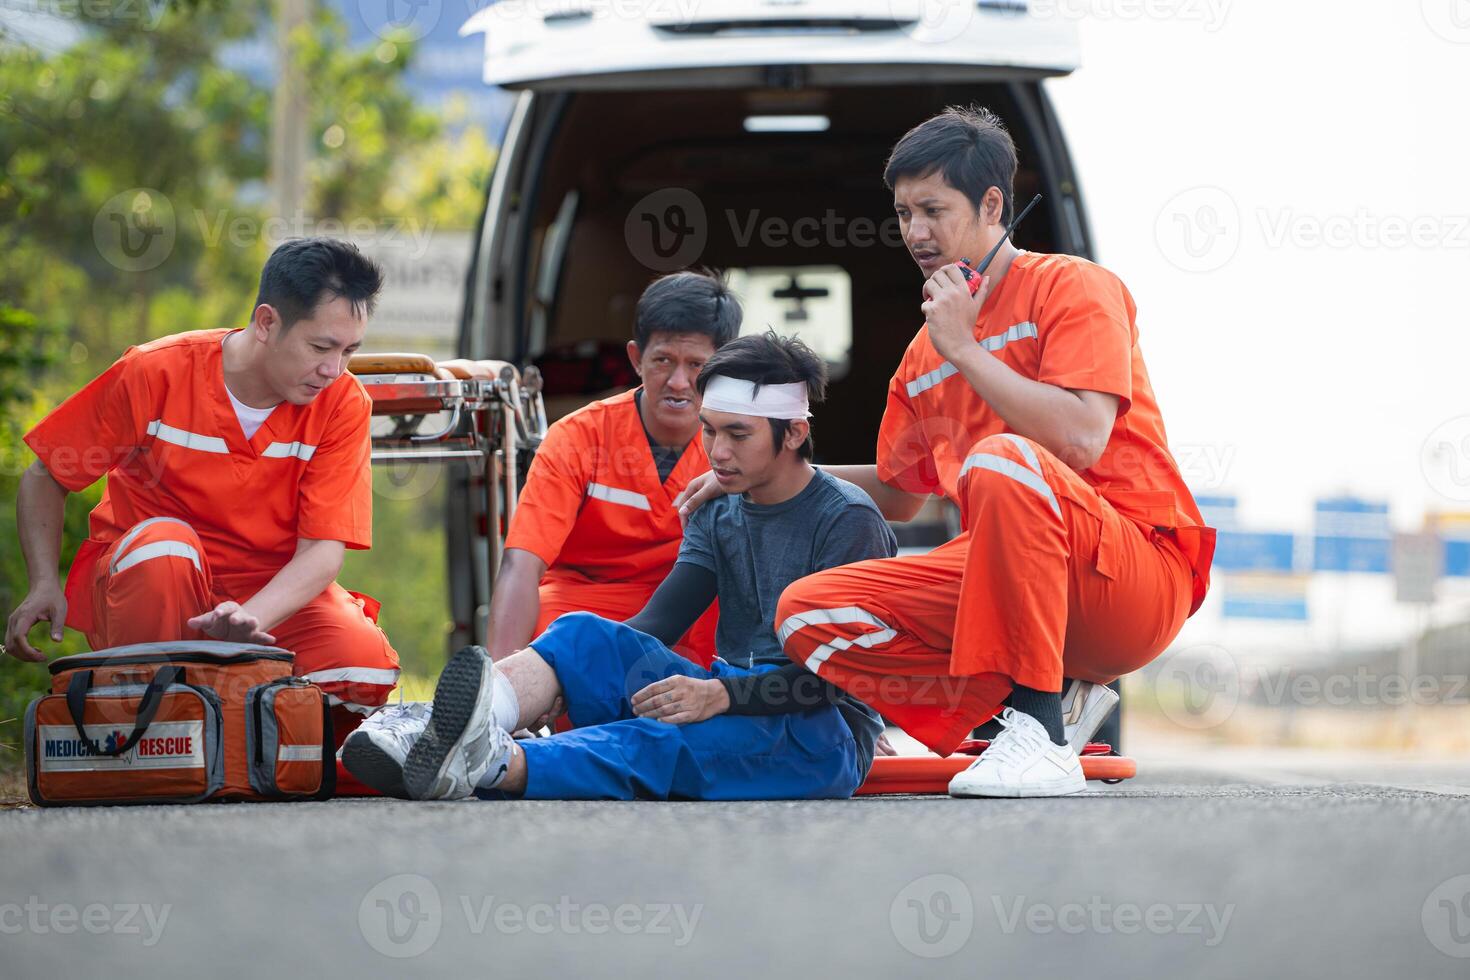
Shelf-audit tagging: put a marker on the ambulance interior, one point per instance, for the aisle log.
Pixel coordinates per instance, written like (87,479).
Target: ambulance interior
(842,279)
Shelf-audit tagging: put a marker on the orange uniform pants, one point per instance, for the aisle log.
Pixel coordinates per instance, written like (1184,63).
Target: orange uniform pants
(620,601)
(1048,580)
(151,581)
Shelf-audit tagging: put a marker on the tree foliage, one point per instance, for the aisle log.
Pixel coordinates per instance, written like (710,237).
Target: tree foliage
(158,120)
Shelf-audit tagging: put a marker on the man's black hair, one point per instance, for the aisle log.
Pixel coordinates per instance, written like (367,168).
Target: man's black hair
(770,359)
(968,145)
(303,273)
(688,302)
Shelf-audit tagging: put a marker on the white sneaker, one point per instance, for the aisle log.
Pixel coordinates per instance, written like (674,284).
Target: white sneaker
(1085,706)
(1021,761)
(377,749)
(460,743)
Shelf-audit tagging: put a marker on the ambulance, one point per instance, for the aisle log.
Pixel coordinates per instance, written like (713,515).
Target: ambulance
(742,135)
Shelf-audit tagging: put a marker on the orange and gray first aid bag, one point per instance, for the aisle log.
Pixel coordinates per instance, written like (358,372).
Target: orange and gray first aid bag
(178,722)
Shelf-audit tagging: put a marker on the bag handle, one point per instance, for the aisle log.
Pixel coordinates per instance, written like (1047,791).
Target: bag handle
(328,788)
(76,702)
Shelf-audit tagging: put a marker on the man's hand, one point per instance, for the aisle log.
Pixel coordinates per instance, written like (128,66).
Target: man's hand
(229,621)
(702,489)
(681,700)
(951,311)
(885,747)
(43,603)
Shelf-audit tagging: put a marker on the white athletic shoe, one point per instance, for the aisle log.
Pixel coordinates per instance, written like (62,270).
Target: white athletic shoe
(1021,761)
(377,749)
(460,743)
(1085,706)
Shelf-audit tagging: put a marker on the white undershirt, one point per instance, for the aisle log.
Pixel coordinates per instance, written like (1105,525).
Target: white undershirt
(251,419)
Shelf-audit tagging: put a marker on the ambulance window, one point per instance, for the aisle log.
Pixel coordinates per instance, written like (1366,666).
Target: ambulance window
(814,302)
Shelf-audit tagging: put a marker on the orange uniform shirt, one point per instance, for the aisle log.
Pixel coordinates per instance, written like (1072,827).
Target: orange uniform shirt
(593,508)
(1067,322)
(159,425)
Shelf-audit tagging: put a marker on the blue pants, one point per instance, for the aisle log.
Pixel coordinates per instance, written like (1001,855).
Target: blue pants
(613,755)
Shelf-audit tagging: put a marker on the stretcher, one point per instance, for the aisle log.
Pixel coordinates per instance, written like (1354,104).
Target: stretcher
(485,414)
(906,775)
(932,773)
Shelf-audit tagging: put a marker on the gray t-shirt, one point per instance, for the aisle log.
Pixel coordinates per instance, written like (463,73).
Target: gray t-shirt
(755,551)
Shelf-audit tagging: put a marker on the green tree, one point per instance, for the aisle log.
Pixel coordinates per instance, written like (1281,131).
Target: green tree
(150,123)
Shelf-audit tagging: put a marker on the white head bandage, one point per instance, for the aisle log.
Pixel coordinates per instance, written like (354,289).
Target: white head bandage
(784,401)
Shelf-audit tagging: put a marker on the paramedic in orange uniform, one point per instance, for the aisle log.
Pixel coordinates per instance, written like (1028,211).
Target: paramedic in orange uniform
(595,529)
(237,465)
(1028,405)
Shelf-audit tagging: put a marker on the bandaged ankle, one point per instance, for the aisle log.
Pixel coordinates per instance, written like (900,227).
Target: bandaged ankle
(498,767)
(505,704)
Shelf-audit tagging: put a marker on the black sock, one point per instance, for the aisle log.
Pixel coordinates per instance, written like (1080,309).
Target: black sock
(1044,706)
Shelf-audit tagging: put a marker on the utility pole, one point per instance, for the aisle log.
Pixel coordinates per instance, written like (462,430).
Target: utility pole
(288,120)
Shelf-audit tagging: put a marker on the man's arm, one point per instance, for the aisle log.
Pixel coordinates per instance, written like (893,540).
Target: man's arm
(895,504)
(1074,424)
(681,598)
(315,566)
(678,602)
(40,506)
(516,603)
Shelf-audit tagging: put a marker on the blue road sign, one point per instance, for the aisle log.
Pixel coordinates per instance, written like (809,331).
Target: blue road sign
(1254,551)
(1283,608)
(1351,536)
(1218,511)
(1457,557)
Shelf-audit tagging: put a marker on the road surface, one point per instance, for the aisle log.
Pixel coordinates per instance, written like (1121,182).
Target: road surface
(1228,863)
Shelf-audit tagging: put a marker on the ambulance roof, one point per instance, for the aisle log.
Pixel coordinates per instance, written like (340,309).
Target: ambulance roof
(589,44)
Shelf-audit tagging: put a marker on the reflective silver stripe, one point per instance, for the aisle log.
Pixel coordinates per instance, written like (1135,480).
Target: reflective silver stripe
(189,440)
(613,495)
(281,450)
(843,615)
(158,549)
(299,753)
(360,709)
(1026,451)
(926,381)
(813,617)
(1019,331)
(1014,470)
(381,676)
(136,530)
(820,654)
(993,343)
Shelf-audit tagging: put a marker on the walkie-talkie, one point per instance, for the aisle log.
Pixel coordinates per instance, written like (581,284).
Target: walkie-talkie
(975,274)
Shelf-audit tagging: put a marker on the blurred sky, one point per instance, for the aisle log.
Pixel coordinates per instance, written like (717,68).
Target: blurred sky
(1309,368)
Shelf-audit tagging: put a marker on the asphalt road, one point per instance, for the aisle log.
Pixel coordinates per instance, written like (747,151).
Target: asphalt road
(1260,864)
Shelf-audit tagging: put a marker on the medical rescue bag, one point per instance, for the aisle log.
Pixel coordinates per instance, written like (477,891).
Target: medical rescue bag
(178,722)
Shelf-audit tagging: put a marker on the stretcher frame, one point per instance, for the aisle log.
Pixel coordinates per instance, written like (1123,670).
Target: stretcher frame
(930,774)
(496,416)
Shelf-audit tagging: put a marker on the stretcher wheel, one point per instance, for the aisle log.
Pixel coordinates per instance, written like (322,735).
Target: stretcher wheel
(928,774)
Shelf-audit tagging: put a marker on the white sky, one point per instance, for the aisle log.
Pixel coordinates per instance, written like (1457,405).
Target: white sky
(1290,369)
(1298,369)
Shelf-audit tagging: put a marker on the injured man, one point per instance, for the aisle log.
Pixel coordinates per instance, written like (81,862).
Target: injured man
(649,723)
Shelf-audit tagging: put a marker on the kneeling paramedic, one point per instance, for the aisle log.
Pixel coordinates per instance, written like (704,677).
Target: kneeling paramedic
(237,465)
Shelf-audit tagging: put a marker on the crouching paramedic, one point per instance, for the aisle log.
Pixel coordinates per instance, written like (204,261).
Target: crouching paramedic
(237,465)
(595,528)
(651,724)
(1028,405)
